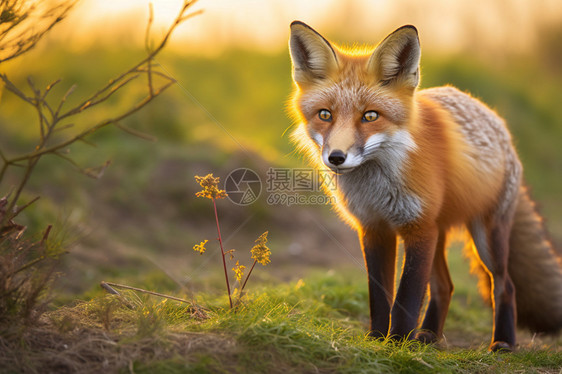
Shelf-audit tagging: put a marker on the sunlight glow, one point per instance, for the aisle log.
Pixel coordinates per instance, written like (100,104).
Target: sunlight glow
(443,24)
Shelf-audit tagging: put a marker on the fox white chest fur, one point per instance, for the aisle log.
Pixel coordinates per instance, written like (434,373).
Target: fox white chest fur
(375,190)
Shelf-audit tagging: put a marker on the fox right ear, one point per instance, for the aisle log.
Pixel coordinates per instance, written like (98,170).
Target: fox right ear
(397,57)
(313,57)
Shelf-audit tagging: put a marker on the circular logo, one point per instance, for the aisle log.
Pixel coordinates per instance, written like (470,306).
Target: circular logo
(243,186)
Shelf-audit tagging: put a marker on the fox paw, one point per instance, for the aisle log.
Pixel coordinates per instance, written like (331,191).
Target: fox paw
(499,346)
(376,335)
(426,337)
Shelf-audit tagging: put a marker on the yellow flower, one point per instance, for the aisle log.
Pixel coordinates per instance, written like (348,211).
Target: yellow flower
(200,247)
(210,187)
(260,251)
(238,271)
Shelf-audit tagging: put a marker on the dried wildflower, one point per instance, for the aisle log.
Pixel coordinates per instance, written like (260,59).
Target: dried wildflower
(200,247)
(260,251)
(238,271)
(210,187)
(230,253)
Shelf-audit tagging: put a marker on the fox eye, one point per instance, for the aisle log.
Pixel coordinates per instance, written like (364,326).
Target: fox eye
(370,116)
(325,115)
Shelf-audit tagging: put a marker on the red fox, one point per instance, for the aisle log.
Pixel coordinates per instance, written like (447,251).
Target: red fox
(416,164)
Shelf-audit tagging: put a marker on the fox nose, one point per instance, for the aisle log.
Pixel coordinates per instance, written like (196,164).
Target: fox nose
(337,157)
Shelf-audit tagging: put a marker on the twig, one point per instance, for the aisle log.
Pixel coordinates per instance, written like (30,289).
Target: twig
(105,285)
(46,235)
(147,47)
(109,289)
(112,291)
(19,42)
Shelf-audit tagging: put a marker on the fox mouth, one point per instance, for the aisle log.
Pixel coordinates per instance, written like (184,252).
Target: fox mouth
(341,171)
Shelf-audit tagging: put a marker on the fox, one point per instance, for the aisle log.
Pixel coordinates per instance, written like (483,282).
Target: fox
(416,165)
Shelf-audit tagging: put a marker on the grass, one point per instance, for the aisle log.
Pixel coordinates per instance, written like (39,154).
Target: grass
(312,325)
(235,103)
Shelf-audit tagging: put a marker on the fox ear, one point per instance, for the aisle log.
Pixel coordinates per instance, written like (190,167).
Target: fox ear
(397,58)
(313,57)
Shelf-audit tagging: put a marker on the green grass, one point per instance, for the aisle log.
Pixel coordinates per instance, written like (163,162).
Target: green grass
(235,104)
(314,325)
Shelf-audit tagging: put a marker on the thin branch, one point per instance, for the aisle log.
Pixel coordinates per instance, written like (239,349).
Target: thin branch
(9,215)
(63,100)
(94,100)
(3,171)
(92,129)
(147,47)
(96,172)
(20,209)
(86,141)
(46,235)
(111,284)
(30,264)
(147,59)
(65,127)
(67,158)
(134,132)
(12,88)
(191,15)
(19,43)
(50,87)
(109,289)
(157,73)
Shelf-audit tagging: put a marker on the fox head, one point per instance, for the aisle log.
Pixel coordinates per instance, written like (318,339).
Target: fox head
(354,106)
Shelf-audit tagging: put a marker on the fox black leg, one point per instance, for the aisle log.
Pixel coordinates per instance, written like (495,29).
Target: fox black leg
(491,237)
(503,291)
(379,250)
(440,292)
(419,253)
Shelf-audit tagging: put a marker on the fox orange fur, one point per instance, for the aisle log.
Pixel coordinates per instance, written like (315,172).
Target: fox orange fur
(416,164)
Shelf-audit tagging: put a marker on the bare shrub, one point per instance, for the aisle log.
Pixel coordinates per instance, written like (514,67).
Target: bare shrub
(26,266)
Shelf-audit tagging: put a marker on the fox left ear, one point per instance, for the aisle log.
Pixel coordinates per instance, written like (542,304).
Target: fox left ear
(313,57)
(397,58)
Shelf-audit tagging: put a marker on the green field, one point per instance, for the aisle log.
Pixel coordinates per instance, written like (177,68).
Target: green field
(307,311)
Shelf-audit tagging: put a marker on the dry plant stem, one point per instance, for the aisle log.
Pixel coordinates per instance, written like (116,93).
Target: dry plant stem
(107,286)
(50,117)
(223,254)
(40,258)
(246,280)
(109,289)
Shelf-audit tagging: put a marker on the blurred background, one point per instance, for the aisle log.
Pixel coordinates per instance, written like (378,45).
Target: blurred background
(139,222)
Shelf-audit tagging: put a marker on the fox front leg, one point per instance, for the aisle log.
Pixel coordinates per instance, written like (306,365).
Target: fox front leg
(419,253)
(379,250)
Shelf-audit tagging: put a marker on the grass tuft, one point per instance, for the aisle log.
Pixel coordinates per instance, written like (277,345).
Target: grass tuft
(305,326)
